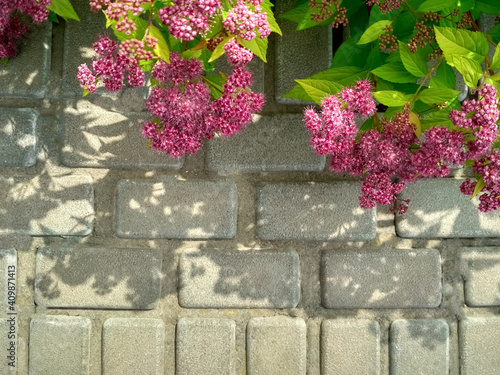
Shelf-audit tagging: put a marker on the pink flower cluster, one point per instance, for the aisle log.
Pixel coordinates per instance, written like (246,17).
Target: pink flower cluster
(183,113)
(245,22)
(393,152)
(188,18)
(120,11)
(236,54)
(111,68)
(11,28)
(488,167)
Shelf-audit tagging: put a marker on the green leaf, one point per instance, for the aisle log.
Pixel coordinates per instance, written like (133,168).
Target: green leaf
(375,58)
(436,6)
(345,75)
(480,185)
(391,111)
(415,63)
(394,73)
(440,118)
(146,66)
(257,46)
(4,61)
(495,62)
(297,93)
(189,54)
(445,77)
(302,16)
(215,85)
(367,125)
(437,95)
(470,69)
(494,33)
(373,31)
(350,54)
(85,93)
(392,98)
(273,25)
(319,89)
(488,6)
(64,9)
(219,50)
(404,24)
(141,26)
(53,17)
(161,50)
(472,45)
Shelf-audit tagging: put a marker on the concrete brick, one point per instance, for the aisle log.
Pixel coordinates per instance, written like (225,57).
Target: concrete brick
(8,277)
(205,346)
(176,209)
(481,272)
(350,346)
(439,210)
(45,205)
(26,75)
(17,137)
(133,346)
(313,211)
(269,143)
(419,344)
(276,346)
(480,346)
(98,278)
(59,345)
(9,340)
(239,279)
(299,54)
(97,138)
(389,279)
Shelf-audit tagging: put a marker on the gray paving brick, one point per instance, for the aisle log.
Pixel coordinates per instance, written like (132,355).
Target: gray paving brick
(480,346)
(8,276)
(176,209)
(438,210)
(419,344)
(389,279)
(59,345)
(98,278)
(350,346)
(205,346)
(8,339)
(26,75)
(17,137)
(299,54)
(45,205)
(481,272)
(239,279)
(269,143)
(97,138)
(313,211)
(276,346)
(133,346)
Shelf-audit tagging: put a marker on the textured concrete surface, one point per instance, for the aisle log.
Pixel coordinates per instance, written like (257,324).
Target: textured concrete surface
(276,346)
(350,346)
(419,346)
(270,143)
(235,279)
(479,346)
(444,213)
(26,76)
(481,271)
(45,205)
(313,211)
(133,346)
(176,209)
(392,279)
(94,137)
(101,229)
(205,346)
(60,345)
(98,278)
(17,137)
